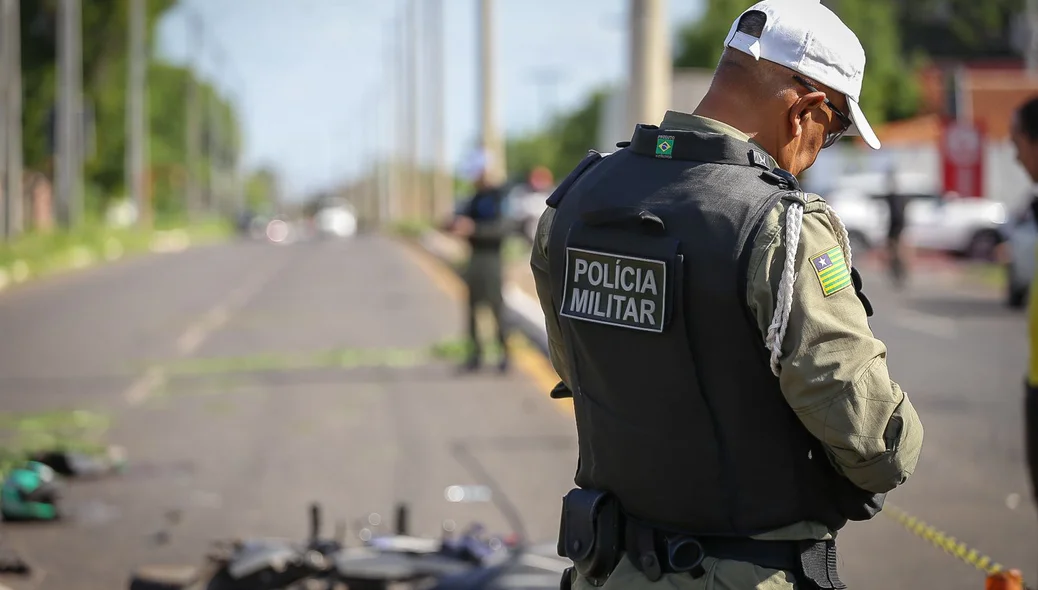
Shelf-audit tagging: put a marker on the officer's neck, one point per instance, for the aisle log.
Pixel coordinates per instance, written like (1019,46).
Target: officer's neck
(742,117)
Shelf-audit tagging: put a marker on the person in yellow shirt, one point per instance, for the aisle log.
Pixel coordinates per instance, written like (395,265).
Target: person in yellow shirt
(1024,132)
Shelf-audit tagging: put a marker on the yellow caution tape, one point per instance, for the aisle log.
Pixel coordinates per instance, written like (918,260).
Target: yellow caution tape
(948,544)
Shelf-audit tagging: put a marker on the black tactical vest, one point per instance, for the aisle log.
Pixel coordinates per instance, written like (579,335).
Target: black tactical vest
(677,411)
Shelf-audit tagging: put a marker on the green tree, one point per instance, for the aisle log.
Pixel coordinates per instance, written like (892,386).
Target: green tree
(960,28)
(890,90)
(562,145)
(105,69)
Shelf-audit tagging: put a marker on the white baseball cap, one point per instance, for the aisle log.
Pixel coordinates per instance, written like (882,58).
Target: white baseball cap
(810,39)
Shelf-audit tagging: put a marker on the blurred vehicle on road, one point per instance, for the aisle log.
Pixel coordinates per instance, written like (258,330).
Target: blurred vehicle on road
(524,206)
(336,218)
(1021,235)
(970,227)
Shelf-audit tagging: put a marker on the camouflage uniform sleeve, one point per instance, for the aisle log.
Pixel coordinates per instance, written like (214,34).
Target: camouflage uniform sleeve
(832,369)
(542,279)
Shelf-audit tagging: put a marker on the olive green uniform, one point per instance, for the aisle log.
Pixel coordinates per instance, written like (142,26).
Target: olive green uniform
(833,375)
(484,273)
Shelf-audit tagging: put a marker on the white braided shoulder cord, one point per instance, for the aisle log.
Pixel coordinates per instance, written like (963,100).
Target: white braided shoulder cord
(784,303)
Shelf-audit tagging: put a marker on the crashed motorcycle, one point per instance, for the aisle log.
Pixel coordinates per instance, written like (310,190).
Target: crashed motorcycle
(473,560)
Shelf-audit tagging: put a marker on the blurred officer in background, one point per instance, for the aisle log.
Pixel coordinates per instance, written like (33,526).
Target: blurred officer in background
(733,407)
(897,203)
(483,223)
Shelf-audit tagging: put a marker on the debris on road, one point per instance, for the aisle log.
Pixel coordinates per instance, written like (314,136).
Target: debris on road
(83,465)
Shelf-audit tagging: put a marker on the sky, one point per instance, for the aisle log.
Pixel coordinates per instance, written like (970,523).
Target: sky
(309,79)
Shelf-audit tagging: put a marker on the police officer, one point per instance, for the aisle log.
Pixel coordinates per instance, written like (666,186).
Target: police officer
(733,407)
(484,224)
(1024,132)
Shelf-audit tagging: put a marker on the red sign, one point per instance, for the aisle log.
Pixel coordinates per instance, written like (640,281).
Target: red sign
(962,158)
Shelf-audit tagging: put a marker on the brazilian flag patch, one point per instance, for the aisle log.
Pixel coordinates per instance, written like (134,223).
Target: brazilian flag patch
(832,270)
(664,146)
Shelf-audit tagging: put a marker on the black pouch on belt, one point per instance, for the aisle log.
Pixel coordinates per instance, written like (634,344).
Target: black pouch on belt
(590,533)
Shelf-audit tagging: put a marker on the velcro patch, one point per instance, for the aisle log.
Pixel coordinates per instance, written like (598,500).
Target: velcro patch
(615,290)
(832,270)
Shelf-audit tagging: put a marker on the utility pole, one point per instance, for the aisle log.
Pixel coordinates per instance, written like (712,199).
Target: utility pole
(10,121)
(193,140)
(492,144)
(15,214)
(403,198)
(650,66)
(136,123)
(5,83)
(441,197)
(70,97)
(389,210)
(214,142)
(414,185)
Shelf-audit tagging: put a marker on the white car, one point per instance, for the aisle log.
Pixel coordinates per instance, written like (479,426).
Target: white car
(525,206)
(966,226)
(336,221)
(1022,235)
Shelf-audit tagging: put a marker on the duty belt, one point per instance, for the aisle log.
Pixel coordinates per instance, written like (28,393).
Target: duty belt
(596,533)
(655,553)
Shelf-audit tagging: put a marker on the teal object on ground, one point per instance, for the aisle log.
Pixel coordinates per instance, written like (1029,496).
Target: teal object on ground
(29,493)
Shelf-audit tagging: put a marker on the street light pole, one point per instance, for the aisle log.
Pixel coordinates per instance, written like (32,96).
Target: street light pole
(650,67)
(440,192)
(414,184)
(136,124)
(13,197)
(5,143)
(491,138)
(69,162)
(193,137)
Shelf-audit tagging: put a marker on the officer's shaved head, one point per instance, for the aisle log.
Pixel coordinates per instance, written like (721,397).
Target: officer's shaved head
(752,79)
(766,101)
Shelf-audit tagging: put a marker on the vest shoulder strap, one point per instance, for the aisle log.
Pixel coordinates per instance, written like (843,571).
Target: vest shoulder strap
(560,191)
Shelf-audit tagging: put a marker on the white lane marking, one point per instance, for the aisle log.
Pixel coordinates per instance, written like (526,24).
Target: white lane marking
(191,339)
(152,378)
(932,325)
(196,334)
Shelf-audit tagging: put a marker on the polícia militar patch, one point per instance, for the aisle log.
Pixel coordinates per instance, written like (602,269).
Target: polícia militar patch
(832,270)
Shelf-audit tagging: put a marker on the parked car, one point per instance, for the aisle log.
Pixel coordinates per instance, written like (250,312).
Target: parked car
(336,219)
(965,226)
(524,207)
(1021,236)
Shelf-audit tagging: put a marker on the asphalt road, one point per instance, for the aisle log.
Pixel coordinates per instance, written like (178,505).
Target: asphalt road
(239,452)
(242,452)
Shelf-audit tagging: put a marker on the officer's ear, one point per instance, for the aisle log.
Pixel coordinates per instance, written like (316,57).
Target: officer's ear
(801,109)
